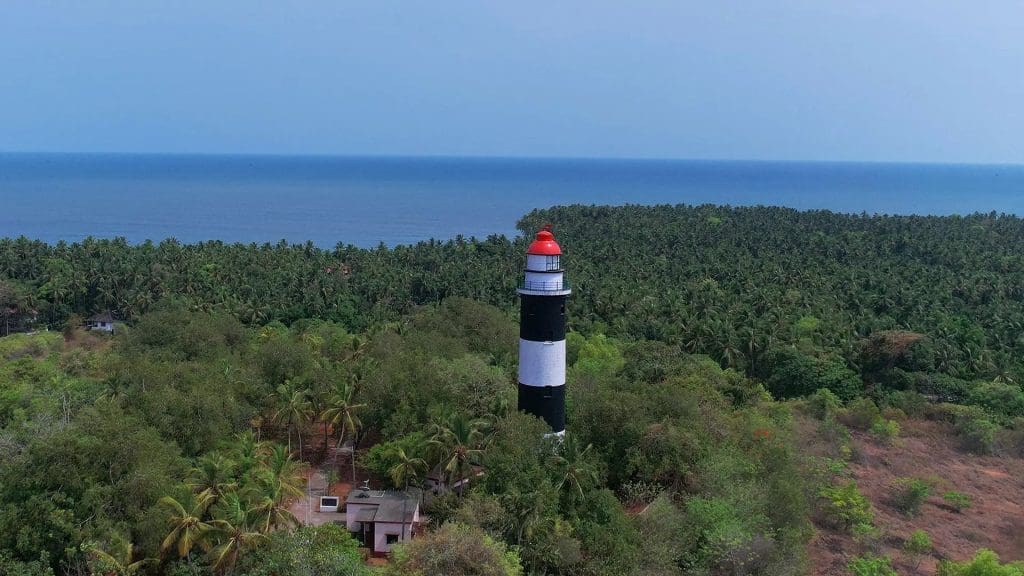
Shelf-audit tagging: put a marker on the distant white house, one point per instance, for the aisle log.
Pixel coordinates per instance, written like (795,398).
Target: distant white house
(382,518)
(104,321)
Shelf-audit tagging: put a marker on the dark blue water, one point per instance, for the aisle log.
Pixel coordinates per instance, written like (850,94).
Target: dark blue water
(365,201)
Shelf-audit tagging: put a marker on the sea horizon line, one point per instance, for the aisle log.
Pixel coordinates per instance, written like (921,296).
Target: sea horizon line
(509,158)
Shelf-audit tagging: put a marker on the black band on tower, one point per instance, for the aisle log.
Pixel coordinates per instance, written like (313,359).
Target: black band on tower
(547,402)
(542,318)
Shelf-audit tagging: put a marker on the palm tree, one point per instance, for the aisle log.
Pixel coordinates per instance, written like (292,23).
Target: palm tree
(235,532)
(280,466)
(576,474)
(341,410)
(294,412)
(212,477)
(458,444)
(402,473)
(271,505)
(248,453)
(279,480)
(406,469)
(187,526)
(117,562)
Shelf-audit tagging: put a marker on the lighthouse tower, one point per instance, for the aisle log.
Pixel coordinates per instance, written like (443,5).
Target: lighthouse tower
(542,332)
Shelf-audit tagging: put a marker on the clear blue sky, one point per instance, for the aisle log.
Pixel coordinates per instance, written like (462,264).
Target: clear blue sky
(899,80)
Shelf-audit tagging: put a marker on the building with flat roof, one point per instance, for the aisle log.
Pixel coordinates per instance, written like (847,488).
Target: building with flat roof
(381,518)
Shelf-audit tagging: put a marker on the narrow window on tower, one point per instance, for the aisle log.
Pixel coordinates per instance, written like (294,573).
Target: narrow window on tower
(547,392)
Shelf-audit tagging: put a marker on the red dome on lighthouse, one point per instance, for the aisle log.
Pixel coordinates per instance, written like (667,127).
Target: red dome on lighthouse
(544,244)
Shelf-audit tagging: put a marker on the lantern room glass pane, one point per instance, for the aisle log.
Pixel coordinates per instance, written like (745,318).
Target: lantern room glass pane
(552,263)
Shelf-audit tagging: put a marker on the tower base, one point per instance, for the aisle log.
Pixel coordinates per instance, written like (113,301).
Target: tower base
(548,402)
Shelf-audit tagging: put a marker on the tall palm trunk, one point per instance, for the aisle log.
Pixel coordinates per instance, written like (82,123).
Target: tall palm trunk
(405,500)
(341,437)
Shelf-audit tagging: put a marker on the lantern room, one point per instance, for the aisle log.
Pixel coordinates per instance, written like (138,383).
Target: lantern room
(544,273)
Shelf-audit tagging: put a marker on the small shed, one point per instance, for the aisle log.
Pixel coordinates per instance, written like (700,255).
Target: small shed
(104,321)
(382,518)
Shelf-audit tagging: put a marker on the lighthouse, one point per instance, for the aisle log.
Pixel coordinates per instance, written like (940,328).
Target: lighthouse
(542,297)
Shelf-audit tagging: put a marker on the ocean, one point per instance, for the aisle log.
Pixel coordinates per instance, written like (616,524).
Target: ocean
(369,201)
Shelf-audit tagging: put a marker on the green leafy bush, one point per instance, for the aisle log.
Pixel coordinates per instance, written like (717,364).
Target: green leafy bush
(958,500)
(724,535)
(1011,440)
(976,432)
(871,566)
(823,404)
(917,546)
(909,402)
(845,507)
(942,387)
(949,413)
(326,549)
(454,549)
(1005,401)
(887,431)
(796,374)
(909,495)
(639,491)
(868,536)
(984,563)
(862,414)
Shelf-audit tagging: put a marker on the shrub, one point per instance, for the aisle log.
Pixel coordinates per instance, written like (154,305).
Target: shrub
(327,549)
(909,495)
(888,349)
(836,467)
(868,536)
(845,506)
(910,402)
(870,565)
(454,549)
(943,388)
(887,431)
(839,435)
(958,500)
(951,413)
(640,492)
(795,374)
(725,535)
(824,403)
(1011,440)
(861,413)
(984,563)
(976,432)
(919,544)
(1004,400)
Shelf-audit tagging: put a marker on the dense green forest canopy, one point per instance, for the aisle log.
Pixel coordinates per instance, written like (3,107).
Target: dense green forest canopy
(733,283)
(167,444)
